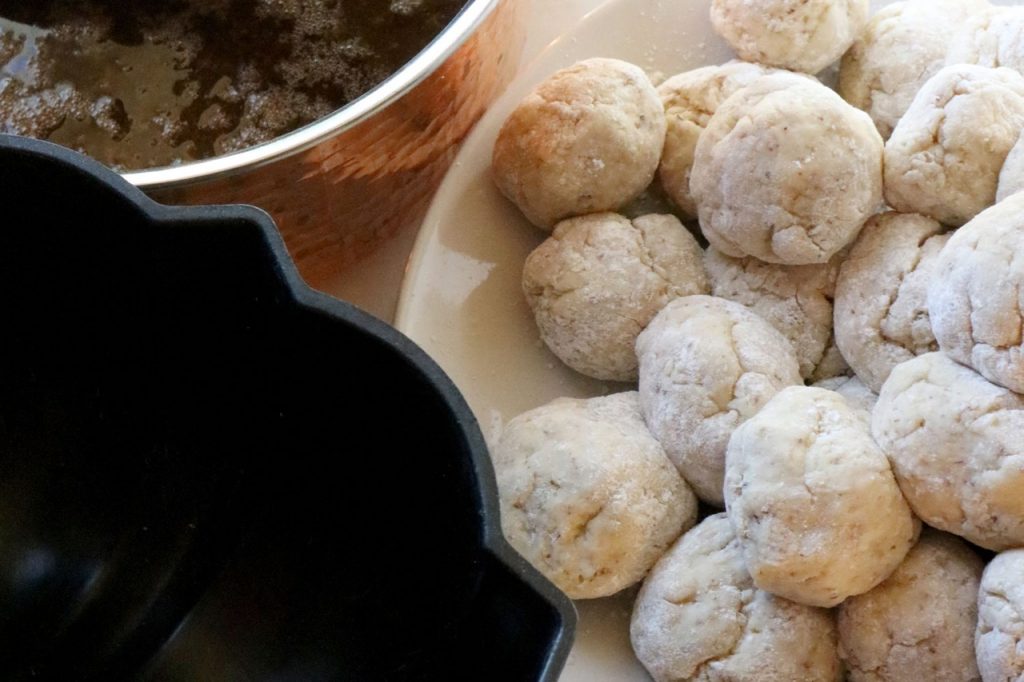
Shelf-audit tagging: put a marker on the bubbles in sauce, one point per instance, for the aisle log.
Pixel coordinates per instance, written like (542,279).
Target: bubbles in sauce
(151,83)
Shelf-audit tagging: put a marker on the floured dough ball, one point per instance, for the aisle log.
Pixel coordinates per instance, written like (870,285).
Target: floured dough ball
(690,99)
(956,443)
(795,299)
(706,366)
(813,500)
(881,307)
(919,623)
(586,140)
(944,157)
(904,45)
(975,296)
(699,617)
(994,37)
(587,494)
(802,35)
(853,389)
(599,279)
(1000,620)
(1011,177)
(787,172)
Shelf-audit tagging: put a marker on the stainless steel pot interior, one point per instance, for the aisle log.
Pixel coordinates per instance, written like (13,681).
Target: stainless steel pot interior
(380,97)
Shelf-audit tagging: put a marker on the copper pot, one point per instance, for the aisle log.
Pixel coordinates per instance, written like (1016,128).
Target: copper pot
(339,186)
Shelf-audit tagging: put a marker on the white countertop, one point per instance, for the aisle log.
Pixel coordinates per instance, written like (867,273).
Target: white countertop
(374,282)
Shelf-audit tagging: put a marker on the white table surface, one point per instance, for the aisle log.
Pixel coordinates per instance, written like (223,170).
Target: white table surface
(374,282)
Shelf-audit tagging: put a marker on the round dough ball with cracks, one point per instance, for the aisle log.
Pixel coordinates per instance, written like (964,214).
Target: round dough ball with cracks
(801,35)
(706,366)
(690,100)
(813,499)
(991,37)
(587,494)
(944,157)
(975,297)
(588,139)
(1000,630)
(904,45)
(853,389)
(700,617)
(919,623)
(956,443)
(599,279)
(787,172)
(795,299)
(1011,177)
(881,307)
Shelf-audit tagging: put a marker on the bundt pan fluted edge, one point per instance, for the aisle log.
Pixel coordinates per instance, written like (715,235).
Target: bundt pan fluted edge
(210,471)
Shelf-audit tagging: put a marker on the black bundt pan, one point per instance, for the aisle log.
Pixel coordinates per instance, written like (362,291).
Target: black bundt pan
(208,471)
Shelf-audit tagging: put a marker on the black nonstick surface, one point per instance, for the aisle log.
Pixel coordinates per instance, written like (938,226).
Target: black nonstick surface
(210,472)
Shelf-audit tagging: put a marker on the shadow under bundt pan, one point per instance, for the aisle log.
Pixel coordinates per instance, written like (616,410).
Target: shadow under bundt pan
(210,472)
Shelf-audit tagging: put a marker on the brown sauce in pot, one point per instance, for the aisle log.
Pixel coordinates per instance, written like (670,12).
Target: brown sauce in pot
(148,83)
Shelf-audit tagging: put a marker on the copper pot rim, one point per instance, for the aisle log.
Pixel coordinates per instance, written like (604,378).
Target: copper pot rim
(428,60)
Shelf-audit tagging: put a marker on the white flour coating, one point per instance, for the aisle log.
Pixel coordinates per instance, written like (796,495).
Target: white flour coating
(956,443)
(813,499)
(588,139)
(802,35)
(787,172)
(992,37)
(795,299)
(919,623)
(587,495)
(1011,177)
(999,640)
(975,296)
(944,157)
(690,100)
(904,45)
(881,308)
(856,393)
(599,279)
(706,366)
(700,617)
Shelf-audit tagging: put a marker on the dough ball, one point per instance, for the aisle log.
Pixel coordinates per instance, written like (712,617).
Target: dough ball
(1011,177)
(802,35)
(975,296)
(795,299)
(813,500)
(587,494)
(1000,623)
(944,157)
(599,279)
(853,389)
(881,308)
(699,617)
(586,140)
(690,99)
(956,443)
(903,46)
(706,366)
(919,623)
(787,172)
(993,37)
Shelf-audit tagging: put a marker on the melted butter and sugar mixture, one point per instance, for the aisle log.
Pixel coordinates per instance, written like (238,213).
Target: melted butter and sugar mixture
(150,83)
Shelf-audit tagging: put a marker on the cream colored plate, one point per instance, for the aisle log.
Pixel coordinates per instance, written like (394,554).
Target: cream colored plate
(461,299)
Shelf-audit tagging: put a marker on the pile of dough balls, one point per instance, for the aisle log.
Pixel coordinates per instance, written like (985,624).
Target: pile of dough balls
(818,340)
